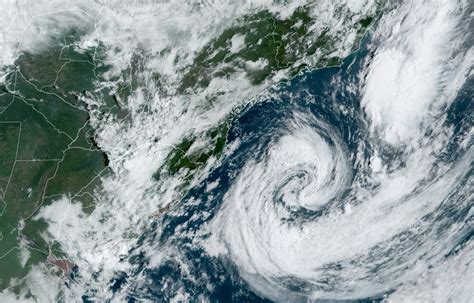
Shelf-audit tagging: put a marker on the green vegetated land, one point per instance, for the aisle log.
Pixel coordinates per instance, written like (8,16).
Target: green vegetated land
(261,44)
(48,149)
(184,160)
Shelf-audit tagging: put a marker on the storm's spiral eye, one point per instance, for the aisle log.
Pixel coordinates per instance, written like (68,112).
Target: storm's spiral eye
(309,176)
(300,170)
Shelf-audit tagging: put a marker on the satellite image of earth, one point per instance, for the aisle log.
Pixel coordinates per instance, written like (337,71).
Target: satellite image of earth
(237,151)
